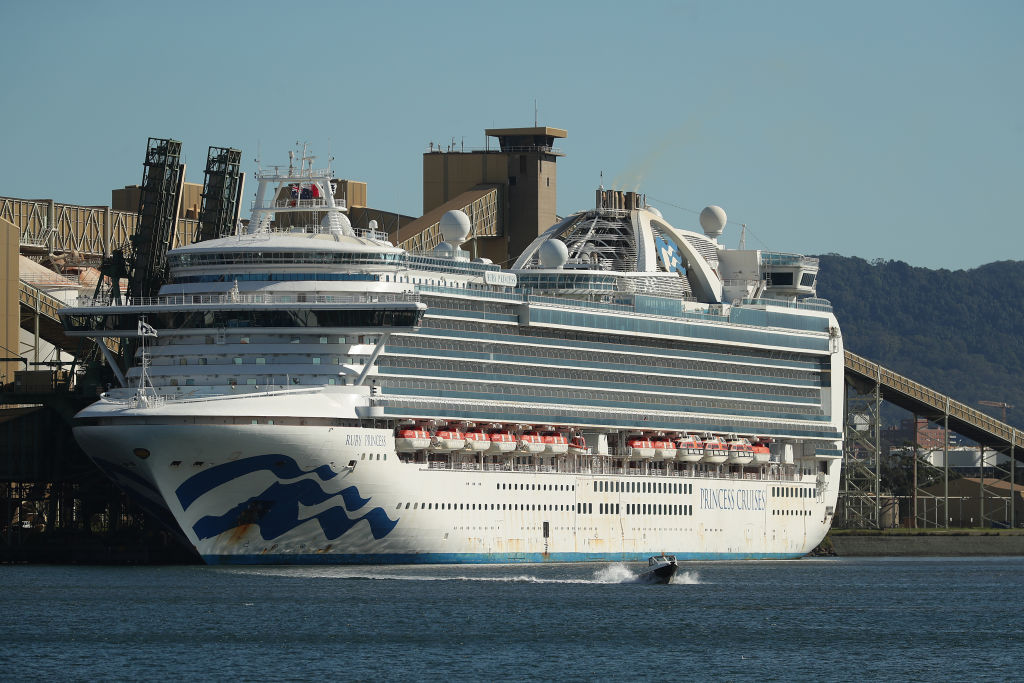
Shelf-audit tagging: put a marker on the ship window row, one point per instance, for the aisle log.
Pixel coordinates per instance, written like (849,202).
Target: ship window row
(604,340)
(657,509)
(792,491)
(269,380)
(274,359)
(505,486)
(529,411)
(330,258)
(603,358)
(276,277)
(297,317)
(625,399)
(676,329)
(501,507)
(445,304)
(612,486)
(792,513)
(473,369)
(232,338)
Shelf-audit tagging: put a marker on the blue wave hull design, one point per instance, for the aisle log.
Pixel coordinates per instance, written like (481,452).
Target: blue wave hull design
(480,558)
(275,510)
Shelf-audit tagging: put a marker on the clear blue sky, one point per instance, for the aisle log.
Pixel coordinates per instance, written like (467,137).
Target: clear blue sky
(875,129)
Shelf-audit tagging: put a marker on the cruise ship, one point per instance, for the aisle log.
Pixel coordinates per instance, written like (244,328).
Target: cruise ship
(305,392)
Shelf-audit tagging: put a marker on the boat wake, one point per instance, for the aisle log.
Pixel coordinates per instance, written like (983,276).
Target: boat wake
(611,574)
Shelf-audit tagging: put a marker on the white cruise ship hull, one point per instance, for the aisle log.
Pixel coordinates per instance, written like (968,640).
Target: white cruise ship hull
(315,494)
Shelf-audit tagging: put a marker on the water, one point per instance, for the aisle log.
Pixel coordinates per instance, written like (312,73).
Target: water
(822,619)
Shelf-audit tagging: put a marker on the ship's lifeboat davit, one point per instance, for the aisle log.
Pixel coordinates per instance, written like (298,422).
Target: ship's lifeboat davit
(664,448)
(578,446)
(740,452)
(640,447)
(715,450)
(531,442)
(555,443)
(477,440)
(761,453)
(448,440)
(689,449)
(409,439)
(502,441)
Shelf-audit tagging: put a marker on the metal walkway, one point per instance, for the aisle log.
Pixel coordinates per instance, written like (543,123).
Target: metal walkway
(864,375)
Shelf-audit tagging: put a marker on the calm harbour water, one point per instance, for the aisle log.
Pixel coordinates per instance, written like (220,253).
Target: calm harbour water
(812,619)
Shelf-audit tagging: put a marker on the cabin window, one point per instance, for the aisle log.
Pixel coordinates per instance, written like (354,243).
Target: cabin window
(202,361)
(323,340)
(316,360)
(236,360)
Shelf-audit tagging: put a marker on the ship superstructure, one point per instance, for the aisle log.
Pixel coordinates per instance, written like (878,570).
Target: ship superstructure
(627,388)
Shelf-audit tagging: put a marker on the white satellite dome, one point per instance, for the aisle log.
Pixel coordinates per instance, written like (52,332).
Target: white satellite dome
(655,211)
(338,223)
(712,219)
(553,254)
(455,227)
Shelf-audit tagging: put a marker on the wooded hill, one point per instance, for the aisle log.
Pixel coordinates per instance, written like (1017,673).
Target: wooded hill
(959,332)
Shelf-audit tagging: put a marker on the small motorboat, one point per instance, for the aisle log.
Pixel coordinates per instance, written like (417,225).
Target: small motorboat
(660,569)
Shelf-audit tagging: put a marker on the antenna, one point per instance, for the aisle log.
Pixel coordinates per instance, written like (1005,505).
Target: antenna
(534,112)
(743,236)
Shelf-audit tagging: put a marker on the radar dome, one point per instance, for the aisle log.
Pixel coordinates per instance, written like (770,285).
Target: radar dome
(712,219)
(553,254)
(655,211)
(337,223)
(455,227)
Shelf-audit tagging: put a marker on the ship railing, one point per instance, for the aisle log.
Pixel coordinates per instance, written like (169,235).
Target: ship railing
(232,298)
(812,304)
(597,469)
(777,258)
(295,204)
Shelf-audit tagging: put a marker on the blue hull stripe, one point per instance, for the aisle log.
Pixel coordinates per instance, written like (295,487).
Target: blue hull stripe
(479,558)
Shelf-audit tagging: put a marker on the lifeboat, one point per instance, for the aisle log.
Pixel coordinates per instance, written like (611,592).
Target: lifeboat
(761,452)
(502,441)
(740,452)
(448,440)
(477,440)
(411,439)
(578,446)
(715,450)
(641,447)
(664,447)
(555,443)
(689,448)
(531,442)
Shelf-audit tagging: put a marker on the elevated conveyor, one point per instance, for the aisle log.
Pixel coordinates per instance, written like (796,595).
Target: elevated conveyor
(904,392)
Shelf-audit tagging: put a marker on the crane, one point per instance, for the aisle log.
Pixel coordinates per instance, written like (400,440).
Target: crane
(997,404)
